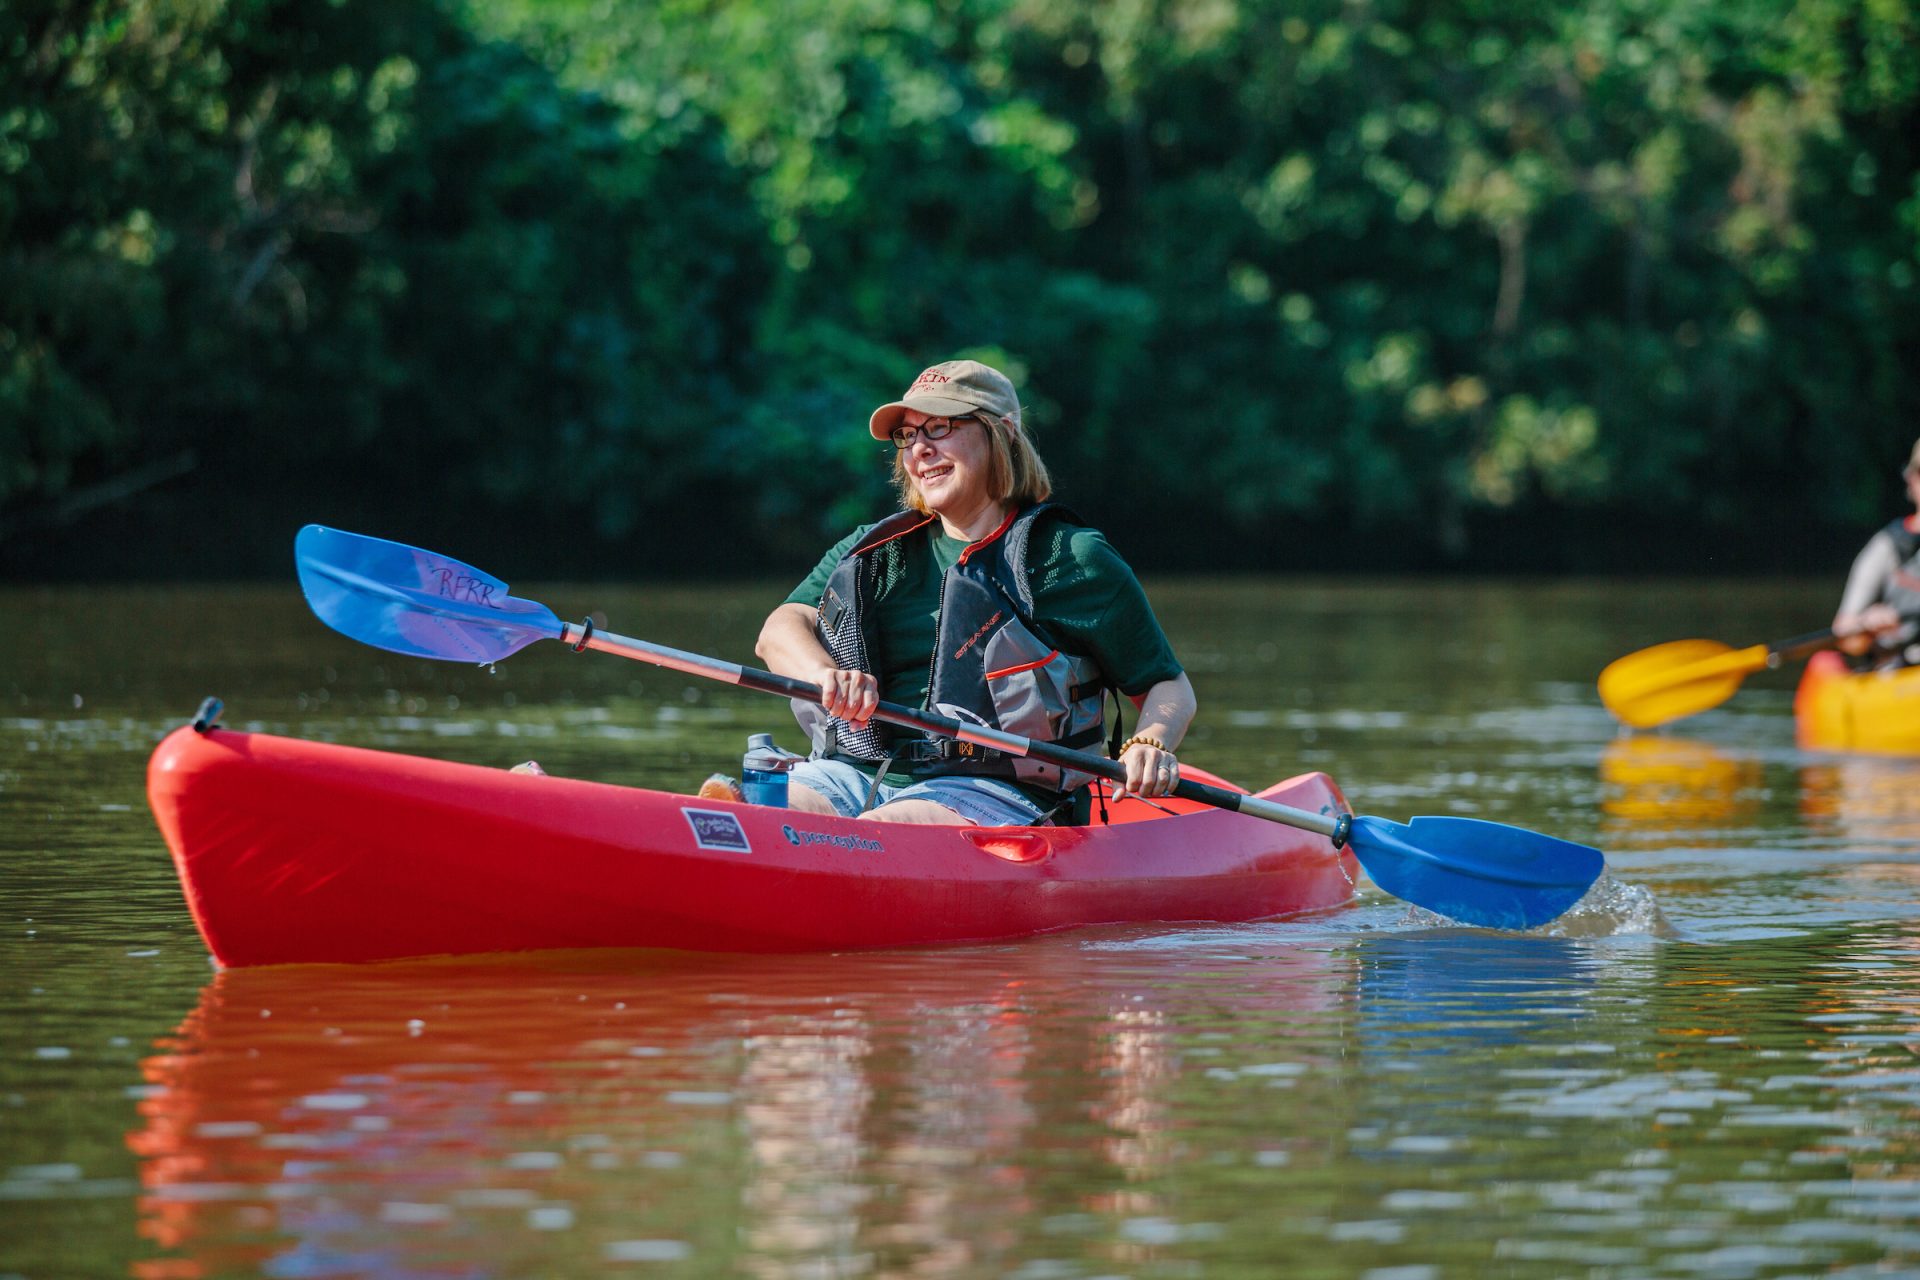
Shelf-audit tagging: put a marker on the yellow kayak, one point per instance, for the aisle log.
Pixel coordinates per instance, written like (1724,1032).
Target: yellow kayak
(1879,712)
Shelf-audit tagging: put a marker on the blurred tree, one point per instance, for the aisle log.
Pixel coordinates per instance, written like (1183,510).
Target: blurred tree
(1369,275)
(355,254)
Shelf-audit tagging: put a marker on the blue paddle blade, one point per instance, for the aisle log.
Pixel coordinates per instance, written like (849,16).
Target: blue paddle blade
(1483,873)
(410,601)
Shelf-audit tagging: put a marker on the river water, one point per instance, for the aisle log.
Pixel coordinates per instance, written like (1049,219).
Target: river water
(1714,1074)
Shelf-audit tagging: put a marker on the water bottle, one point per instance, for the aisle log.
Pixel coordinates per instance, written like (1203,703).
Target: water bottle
(763,771)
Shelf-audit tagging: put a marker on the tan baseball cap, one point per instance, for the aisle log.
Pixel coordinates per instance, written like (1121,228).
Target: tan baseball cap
(952,389)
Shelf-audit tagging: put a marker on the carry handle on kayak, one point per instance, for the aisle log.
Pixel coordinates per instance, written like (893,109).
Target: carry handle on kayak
(415,602)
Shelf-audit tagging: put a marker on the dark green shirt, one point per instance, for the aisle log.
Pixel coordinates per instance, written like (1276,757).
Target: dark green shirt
(1083,594)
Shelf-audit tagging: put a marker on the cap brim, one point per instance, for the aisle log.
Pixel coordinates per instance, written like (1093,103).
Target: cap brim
(888,416)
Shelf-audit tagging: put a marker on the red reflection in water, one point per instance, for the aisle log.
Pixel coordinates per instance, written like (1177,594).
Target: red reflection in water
(528,1115)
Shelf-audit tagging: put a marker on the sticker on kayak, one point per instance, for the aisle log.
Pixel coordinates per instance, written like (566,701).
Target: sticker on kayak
(717,829)
(843,842)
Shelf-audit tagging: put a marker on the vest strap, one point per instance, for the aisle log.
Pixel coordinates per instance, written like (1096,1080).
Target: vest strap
(942,750)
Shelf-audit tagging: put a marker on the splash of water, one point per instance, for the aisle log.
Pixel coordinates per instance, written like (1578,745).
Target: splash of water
(1610,908)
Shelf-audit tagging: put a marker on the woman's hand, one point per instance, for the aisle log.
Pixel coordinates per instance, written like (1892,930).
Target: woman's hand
(1856,631)
(1150,771)
(1881,619)
(1165,712)
(850,695)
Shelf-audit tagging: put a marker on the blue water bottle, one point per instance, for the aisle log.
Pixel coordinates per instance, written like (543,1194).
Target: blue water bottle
(763,771)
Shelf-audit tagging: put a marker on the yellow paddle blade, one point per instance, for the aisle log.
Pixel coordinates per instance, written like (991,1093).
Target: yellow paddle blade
(1677,679)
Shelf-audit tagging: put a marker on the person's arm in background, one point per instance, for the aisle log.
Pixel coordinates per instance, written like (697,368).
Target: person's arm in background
(1861,614)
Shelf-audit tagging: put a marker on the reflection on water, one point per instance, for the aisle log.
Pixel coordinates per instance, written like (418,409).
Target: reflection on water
(1444,984)
(1229,1101)
(1868,801)
(1692,816)
(629,1106)
(1663,781)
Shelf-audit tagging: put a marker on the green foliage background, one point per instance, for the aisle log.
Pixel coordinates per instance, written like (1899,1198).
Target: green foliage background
(611,286)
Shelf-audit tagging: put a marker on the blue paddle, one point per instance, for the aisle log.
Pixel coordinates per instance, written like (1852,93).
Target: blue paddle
(410,601)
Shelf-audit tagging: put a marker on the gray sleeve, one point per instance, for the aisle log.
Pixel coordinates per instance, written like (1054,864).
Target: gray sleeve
(1872,570)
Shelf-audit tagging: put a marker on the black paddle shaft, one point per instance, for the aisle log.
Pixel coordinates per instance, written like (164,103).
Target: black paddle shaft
(585,636)
(1798,647)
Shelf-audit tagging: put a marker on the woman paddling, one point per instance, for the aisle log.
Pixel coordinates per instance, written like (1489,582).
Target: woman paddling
(985,602)
(1879,614)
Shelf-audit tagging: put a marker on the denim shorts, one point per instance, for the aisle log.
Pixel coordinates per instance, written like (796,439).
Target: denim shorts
(985,802)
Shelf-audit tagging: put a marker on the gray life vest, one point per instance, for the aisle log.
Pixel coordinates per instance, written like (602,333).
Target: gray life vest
(993,664)
(1902,589)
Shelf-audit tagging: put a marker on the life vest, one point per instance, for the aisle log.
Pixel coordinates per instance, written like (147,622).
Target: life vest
(1906,542)
(1902,587)
(993,663)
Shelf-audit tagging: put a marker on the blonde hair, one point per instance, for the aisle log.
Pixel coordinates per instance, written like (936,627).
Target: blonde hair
(1015,473)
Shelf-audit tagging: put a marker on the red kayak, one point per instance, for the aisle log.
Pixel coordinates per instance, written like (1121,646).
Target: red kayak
(297,852)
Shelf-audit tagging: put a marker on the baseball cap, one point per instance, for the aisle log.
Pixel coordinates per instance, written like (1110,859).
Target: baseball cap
(951,389)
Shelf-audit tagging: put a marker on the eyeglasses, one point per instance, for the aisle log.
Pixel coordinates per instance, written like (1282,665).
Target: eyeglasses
(931,429)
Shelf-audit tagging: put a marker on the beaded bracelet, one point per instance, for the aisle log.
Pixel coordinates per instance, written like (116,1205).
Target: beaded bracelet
(1142,740)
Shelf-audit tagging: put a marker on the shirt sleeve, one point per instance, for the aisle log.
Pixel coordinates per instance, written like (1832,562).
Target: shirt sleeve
(814,585)
(1088,596)
(1872,570)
